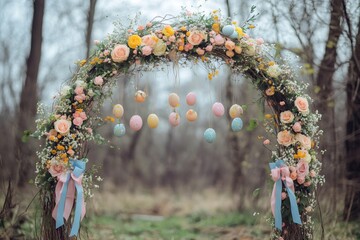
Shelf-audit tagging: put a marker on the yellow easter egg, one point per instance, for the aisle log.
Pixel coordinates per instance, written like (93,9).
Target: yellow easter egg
(191,115)
(174,100)
(118,110)
(140,96)
(152,121)
(235,111)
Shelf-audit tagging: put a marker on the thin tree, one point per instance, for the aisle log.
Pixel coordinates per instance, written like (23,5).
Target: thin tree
(29,94)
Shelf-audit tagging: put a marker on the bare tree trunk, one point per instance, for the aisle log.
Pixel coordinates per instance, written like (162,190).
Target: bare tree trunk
(325,98)
(90,23)
(352,197)
(28,99)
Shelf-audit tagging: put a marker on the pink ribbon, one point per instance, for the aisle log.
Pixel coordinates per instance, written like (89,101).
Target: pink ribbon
(70,195)
(284,173)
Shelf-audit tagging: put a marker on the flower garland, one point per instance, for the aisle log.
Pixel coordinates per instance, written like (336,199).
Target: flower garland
(188,37)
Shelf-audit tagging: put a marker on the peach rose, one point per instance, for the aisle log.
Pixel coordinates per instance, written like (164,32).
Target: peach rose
(120,53)
(209,48)
(200,51)
(238,49)
(229,45)
(195,37)
(98,81)
(304,141)
(70,152)
(229,53)
(286,117)
(293,176)
(312,173)
(80,97)
(297,127)
(149,40)
(146,50)
(62,126)
(302,105)
(285,138)
(266,142)
(56,170)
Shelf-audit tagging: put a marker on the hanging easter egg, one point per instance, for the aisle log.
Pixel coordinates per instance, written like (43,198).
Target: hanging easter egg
(235,111)
(174,119)
(118,110)
(140,96)
(191,115)
(136,123)
(152,121)
(174,100)
(191,99)
(228,30)
(119,130)
(236,124)
(210,135)
(218,109)
(234,35)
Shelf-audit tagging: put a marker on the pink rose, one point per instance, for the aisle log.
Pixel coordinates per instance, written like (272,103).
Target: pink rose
(304,141)
(229,45)
(302,105)
(266,142)
(106,52)
(302,169)
(56,170)
(297,127)
(292,168)
(172,38)
(149,24)
(62,126)
(98,81)
(259,41)
(286,117)
(89,130)
(300,180)
(282,103)
(209,48)
(140,28)
(188,47)
(51,133)
(78,121)
(146,50)
(195,37)
(120,53)
(285,138)
(200,51)
(219,40)
(83,115)
(79,90)
(149,40)
(80,97)
(312,173)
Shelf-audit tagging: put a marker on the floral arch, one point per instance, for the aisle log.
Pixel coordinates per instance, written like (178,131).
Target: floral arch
(206,38)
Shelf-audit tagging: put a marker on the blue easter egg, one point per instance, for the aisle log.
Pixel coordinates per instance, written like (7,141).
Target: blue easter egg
(236,124)
(210,135)
(234,35)
(119,130)
(228,30)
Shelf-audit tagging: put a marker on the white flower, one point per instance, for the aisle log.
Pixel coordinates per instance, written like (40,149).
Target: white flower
(65,90)
(159,48)
(91,93)
(80,83)
(274,71)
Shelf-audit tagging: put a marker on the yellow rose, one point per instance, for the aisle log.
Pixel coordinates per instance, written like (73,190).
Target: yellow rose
(134,41)
(160,48)
(168,31)
(216,27)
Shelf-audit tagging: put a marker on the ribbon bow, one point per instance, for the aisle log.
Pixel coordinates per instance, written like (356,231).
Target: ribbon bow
(65,196)
(280,174)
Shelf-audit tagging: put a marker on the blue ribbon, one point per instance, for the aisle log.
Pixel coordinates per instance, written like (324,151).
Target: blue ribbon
(78,170)
(278,189)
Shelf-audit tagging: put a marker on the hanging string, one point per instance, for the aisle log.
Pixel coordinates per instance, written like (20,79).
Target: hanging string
(211,103)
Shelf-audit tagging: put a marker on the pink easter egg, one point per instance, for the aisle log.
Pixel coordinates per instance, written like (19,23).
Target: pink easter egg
(174,119)
(218,109)
(191,98)
(174,100)
(136,123)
